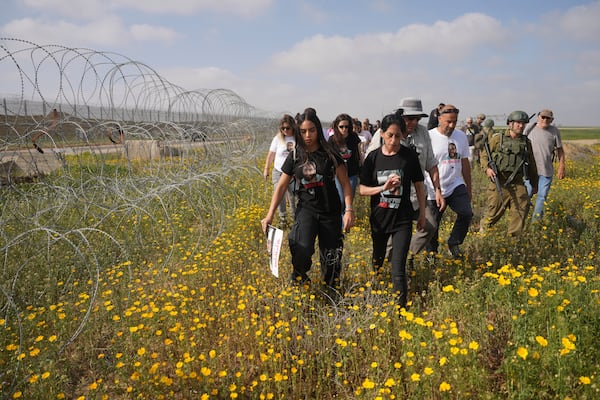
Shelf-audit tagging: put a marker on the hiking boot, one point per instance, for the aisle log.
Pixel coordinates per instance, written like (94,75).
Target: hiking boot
(455,252)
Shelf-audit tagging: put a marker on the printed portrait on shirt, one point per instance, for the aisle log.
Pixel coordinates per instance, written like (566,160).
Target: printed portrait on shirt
(310,178)
(452,151)
(390,198)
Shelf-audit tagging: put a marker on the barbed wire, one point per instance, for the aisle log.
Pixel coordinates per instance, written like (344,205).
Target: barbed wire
(98,153)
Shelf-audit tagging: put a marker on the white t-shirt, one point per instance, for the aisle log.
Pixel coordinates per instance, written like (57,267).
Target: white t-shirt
(281,148)
(449,152)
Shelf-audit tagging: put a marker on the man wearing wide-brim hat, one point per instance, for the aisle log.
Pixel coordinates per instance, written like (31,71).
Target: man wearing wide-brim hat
(417,138)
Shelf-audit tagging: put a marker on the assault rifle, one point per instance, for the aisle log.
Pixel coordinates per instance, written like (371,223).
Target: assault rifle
(492,165)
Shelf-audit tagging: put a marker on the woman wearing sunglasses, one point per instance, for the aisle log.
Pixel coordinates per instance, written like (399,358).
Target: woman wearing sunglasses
(281,145)
(347,143)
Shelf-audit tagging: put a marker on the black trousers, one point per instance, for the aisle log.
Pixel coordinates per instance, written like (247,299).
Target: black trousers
(308,225)
(400,243)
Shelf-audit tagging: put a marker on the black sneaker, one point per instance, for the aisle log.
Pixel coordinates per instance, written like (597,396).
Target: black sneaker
(455,252)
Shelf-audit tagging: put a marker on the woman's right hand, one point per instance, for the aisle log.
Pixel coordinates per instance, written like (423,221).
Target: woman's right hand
(266,174)
(265,222)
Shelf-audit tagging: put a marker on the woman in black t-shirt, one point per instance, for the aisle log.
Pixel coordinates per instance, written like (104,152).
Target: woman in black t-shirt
(386,176)
(346,142)
(314,165)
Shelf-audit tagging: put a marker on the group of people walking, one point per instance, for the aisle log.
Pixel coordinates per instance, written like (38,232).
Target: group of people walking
(410,174)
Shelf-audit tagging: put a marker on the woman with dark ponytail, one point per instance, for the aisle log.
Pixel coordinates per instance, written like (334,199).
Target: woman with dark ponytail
(314,165)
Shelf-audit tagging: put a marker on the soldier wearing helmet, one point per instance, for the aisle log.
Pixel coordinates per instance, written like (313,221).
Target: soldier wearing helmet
(513,156)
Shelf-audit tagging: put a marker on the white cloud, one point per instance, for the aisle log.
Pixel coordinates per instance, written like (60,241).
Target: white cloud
(150,33)
(447,39)
(89,9)
(79,9)
(105,32)
(581,22)
(239,7)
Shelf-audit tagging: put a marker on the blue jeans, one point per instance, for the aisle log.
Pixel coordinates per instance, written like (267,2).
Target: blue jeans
(460,203)
(353,184)
(544,183)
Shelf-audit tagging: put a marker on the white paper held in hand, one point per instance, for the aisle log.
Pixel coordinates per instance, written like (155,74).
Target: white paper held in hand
(274,239)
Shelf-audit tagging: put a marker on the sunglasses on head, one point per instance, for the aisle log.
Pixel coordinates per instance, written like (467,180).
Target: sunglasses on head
(449,111)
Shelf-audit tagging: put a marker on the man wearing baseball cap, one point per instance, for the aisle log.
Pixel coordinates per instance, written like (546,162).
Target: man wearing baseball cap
(545,139)
(417,138)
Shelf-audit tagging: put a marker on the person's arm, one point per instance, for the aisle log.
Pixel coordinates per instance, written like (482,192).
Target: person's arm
(278,194)
(434,174)
(561,163)
(466,173)
(342,175)
(268,162)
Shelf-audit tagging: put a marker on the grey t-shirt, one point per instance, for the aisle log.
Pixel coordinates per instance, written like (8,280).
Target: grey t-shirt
(543,143)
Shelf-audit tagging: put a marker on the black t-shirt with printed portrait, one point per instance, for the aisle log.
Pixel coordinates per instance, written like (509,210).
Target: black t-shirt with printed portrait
(315,181)
(389,210)
(349,152)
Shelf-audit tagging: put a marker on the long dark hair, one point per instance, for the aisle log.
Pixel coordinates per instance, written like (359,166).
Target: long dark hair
(311,115)
(337,135)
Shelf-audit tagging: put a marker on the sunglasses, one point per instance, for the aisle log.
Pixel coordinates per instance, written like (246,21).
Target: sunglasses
(449,111)
(412,118)
(544,117)
(343,126)
(285,128)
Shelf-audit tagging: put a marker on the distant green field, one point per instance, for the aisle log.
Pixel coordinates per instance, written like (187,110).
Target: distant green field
(579,133)
(572,133)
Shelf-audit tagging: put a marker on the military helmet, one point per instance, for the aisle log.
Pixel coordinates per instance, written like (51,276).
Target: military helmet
(519,116)
(488,123)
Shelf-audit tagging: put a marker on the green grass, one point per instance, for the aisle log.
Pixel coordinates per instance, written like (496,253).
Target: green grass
(579,133)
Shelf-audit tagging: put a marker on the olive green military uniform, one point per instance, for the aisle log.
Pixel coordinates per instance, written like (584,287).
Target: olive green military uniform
(514,159)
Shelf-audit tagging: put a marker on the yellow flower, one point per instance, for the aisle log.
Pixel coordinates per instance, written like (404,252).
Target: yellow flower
(584,380)
(474,345)
(532,292)
(541,340)
(567,344)
(141,351)
(390,382)
(444,387)
(368,384)
(428,371)
(448,288)
(415,377)
(522,352)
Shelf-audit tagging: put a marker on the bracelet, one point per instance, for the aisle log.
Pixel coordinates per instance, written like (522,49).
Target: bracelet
(438,188)
(381,188)
(349,210)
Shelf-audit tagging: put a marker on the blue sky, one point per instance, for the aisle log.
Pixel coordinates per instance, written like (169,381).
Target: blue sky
(358,57)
